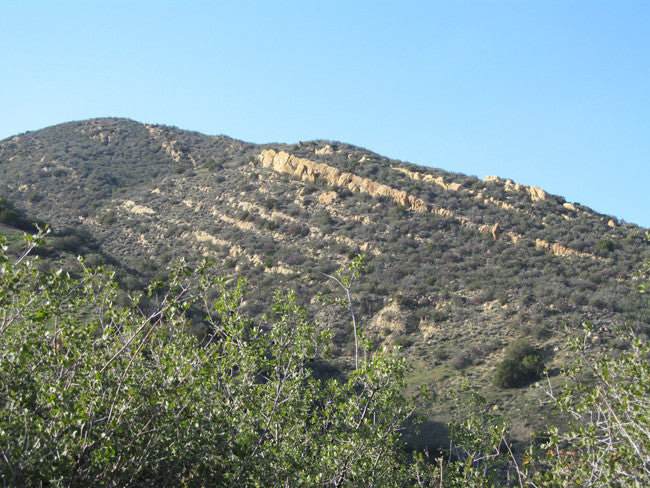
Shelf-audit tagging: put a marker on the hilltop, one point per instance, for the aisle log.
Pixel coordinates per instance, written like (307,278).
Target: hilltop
(457,267)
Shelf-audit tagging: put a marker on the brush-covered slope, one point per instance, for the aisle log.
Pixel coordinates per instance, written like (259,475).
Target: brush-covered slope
(457,267)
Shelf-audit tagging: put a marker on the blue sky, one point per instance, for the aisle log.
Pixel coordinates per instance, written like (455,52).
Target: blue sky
(548,93)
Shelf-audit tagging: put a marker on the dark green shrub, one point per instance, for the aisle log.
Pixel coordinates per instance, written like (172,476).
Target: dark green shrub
(518,349)
(605,245)
(271,225)
(9,217)
(34,198)
(296,230)
(325,219)
(211,164)
(521,365)
(69,243)
(271,204)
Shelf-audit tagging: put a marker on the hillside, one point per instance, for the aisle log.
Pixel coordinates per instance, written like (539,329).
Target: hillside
(457,267)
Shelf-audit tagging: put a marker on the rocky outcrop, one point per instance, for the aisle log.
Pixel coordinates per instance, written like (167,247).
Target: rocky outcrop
(560,250)
(327,149)
(569,206)
(391,322)
(132,207)
(453,186)
(439,180)
(308,170)
(536,193)
(496,231)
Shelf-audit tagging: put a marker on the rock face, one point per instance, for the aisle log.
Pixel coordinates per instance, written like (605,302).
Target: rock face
(391,322)
(132,207)
(308,170)
(324,150)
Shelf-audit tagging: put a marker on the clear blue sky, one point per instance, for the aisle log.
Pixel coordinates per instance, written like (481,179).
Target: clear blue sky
(548,93)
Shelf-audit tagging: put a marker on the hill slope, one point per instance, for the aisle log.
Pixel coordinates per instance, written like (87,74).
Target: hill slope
(458,267)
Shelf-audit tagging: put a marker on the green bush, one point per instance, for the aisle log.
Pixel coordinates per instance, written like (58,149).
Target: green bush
(93,394)
(605,245)
(522,364)
(518,349)
(271,204)
(211,164)
(109,219)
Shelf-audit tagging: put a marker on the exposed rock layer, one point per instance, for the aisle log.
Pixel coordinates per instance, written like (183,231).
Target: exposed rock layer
(308,170)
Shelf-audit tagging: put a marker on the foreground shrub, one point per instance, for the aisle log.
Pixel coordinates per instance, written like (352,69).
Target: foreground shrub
(607,443)
(92,394)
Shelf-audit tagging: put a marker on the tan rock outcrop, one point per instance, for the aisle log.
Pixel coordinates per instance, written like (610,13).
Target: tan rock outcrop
(310,170)
(439,180)
(169,146)
(537,194)
(493,178)
(132,207)
(202,236)
(569,206)
(496,231)
(391,322)
(611,223)
(327,149)
(305,169)
(560,250)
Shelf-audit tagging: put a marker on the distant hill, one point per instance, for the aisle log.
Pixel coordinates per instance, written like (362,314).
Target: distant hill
(457,267)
